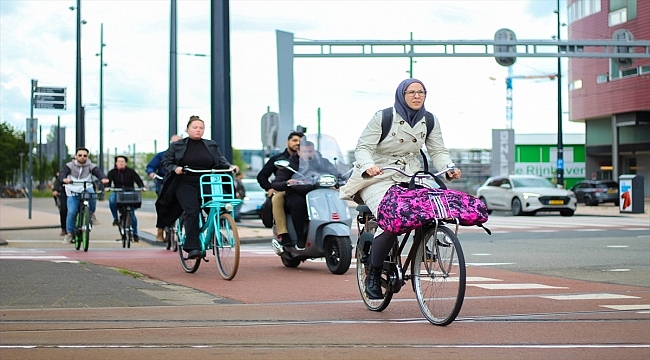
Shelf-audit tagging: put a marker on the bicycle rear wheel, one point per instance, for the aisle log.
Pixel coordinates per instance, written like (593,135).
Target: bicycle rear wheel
(189,265)
(85,229)
(439,275)
(363,267)
(226,245)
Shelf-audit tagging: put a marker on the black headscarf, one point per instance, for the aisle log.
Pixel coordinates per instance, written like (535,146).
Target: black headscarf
(401,107)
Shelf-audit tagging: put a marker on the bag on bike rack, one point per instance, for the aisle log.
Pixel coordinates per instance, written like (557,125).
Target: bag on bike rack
(407,206)
(267,212)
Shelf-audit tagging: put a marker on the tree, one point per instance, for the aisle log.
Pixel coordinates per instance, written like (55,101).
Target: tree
(12,143)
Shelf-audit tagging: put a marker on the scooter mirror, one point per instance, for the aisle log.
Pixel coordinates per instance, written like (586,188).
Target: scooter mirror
(284,164)
(281,163)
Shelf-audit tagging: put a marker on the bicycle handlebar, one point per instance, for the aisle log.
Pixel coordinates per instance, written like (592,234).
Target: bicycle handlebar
(122,189)
(212,171)
(419,175)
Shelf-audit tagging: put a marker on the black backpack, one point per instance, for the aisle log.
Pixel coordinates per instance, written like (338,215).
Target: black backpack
(387,119)
(267,212)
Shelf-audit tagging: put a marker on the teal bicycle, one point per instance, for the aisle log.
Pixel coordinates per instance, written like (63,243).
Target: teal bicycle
(218,232)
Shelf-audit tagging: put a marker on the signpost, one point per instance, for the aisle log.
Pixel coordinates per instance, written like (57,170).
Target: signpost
(49,98)
(42,98)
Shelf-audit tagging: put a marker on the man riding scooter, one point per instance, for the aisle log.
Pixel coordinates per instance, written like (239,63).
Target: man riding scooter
(309,161)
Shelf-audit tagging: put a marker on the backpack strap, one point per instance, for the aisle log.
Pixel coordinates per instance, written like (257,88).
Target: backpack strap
(387,119)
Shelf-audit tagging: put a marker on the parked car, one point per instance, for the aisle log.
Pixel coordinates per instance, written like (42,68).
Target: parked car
(594,192)
(526,195)
(255,196)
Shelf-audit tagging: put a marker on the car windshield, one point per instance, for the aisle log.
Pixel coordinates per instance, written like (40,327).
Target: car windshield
(532,182)
(607,185)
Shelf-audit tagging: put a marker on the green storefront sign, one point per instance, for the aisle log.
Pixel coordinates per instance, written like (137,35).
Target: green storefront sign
(541,160)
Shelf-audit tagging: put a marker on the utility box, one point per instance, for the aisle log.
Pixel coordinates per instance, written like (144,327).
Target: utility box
(630,191)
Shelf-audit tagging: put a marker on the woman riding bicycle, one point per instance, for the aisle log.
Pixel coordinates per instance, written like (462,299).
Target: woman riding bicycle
(405,137)
(122,176)
(181,192)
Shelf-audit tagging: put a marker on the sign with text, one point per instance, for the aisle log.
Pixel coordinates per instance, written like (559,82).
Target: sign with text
(50,98)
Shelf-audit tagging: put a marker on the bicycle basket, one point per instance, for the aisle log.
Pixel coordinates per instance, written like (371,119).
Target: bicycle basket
(128,198)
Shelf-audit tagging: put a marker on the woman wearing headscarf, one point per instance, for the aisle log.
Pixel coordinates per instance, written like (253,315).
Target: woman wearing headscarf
(181,191)
(400,148)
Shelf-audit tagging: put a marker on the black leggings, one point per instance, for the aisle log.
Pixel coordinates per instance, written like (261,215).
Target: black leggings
(188,195)
(381,246)
(297,206)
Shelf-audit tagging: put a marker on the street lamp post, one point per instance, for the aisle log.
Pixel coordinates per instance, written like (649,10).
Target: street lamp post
(101,97)
(79,112)
(560,145)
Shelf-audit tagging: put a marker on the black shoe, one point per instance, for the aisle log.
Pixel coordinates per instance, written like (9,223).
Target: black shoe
(286,240)
(136,238)
(373,283)
(116,222)
(194,254)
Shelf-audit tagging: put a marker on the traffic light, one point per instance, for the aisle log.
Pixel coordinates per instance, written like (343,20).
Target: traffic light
(509,35)
(623,35)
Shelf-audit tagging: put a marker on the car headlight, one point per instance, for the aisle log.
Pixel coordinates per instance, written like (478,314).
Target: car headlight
(527,195)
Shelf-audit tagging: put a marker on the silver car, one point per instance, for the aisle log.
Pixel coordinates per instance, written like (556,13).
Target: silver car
(255,196)
(526,195)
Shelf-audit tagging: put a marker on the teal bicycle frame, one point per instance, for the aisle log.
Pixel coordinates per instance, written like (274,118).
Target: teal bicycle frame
(218,199)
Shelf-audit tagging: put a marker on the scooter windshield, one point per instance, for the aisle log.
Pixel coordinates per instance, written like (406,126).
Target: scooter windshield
(320,155)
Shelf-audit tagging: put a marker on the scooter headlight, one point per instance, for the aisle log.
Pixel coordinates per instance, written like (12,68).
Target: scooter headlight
(327,180)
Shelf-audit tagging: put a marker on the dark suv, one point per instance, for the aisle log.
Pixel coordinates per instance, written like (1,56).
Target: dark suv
(594,192)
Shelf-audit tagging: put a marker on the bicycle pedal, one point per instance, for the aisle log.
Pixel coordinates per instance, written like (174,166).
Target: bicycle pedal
(205,259)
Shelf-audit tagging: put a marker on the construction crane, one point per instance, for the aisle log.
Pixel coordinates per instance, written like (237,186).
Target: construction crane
(509,91)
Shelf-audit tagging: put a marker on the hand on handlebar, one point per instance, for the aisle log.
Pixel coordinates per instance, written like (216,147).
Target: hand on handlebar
(454,173)
(374,171)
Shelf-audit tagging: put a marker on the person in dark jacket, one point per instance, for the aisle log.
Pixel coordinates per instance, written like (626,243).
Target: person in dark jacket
(306,160)
(61,200)
(293,144)
(122,176)
(181,192)
(154,167)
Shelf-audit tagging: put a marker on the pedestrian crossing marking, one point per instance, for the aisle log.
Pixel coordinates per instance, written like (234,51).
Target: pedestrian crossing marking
(597,296)
(488,264)
(516,286)
(643,308)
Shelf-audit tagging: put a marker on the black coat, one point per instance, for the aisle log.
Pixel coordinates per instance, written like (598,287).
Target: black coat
(270,169)
(167,205)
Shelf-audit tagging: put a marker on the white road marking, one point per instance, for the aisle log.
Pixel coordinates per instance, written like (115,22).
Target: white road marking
(617,270)
(28,257)
(488,264)
(600,296)
(516,286)
(617,246)
(644,308)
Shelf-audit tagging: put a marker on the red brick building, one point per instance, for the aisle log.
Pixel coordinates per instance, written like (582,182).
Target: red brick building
(612,100)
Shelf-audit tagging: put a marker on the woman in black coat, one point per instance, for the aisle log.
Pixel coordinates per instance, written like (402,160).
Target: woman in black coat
(181,192)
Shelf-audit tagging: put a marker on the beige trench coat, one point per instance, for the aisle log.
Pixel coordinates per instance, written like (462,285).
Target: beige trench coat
(400,148)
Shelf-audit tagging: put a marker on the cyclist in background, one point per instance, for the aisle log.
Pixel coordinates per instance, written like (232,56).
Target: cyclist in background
(79,169)
(126,178)
(154,167)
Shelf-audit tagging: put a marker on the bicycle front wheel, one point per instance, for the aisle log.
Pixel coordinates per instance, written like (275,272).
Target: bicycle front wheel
(85,230)
(76,235)
(226,245)
(128,229)
(439,275)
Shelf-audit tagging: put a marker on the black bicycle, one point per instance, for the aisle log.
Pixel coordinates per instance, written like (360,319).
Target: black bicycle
(83,223)
(435,260)
(127,200)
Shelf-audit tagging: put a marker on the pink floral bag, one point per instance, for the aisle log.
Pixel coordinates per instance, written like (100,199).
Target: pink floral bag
(406,207)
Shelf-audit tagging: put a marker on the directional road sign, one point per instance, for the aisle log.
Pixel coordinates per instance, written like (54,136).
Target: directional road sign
(50,90)
(49,97)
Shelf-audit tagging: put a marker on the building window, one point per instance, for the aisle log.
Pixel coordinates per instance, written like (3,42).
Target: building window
(602,78)
(645,69)
(618,17)
(575,85)
(583,8)
(630,72)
